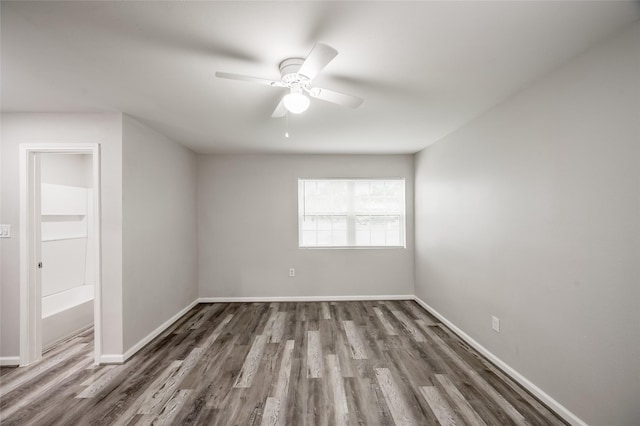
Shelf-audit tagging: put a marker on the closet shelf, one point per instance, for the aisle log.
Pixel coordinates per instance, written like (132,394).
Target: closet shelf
(62,237)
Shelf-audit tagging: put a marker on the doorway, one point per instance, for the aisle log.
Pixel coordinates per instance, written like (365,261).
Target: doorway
(60,258)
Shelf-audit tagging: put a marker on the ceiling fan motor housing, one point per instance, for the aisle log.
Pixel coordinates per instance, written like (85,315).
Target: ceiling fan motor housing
(289,72)
(296,75)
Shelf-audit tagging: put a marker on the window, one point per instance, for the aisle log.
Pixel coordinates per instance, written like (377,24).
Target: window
(351,213)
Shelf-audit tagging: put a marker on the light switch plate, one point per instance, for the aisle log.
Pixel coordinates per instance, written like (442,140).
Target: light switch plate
(5,231)
(495,324)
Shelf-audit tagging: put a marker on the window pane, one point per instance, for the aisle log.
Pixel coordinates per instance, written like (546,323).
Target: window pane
(363,232)
(308,238)
(324,238)
(363,238)
(378,231)
(393,238)
(340,222)
(329,196)
(377,187)
(339,239)
(309,223)
(324,223)
(351,212)
(379,196)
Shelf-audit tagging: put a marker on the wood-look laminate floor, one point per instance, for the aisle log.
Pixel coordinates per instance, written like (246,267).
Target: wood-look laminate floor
(333,363)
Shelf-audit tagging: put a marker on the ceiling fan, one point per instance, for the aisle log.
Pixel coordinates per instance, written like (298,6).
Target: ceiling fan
(297,74)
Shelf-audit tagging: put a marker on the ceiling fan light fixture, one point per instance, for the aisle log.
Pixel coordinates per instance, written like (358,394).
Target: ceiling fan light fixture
(296,102)
(297,75)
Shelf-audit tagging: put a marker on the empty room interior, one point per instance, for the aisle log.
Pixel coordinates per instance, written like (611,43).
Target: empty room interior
(323,212)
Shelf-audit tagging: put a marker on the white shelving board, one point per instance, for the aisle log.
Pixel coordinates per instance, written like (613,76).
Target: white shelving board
(64,212)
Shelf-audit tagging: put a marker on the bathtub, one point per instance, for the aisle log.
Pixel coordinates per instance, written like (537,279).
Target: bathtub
(65,313)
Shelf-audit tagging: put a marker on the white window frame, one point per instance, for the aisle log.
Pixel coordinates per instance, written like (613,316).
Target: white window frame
(352,214)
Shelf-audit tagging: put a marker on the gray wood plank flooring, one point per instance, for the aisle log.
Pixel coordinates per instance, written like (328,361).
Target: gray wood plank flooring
(327,363)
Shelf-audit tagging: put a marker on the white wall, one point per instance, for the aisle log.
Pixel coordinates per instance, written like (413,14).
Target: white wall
(105,129)
(248,229)
(159,230)
(531,212)
(157,241)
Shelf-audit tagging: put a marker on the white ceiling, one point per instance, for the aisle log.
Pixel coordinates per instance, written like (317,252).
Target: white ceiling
(423,68)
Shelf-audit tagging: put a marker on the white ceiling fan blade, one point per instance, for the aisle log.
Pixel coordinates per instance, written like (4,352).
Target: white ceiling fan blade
(336,97)
(280,110)
(250,79)
(318,58)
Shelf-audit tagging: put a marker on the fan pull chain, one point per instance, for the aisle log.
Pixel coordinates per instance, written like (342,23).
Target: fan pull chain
(286,132)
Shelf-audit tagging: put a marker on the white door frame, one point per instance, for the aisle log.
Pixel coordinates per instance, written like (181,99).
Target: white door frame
(30,291)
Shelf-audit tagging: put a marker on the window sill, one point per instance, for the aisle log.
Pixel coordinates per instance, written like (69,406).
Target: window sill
(352,247)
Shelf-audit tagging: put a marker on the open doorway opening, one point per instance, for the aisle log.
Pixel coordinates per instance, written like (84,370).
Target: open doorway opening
(60,246)
(66,235)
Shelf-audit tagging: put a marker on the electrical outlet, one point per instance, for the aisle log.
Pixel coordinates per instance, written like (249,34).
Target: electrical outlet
(495,324)
(292,272)
(5,231)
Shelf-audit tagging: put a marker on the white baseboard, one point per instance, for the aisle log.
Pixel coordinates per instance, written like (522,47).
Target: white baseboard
(111,359)
(9,361)
(306,298)
(121,358)
(560,409)
(149,337)
(66,336)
